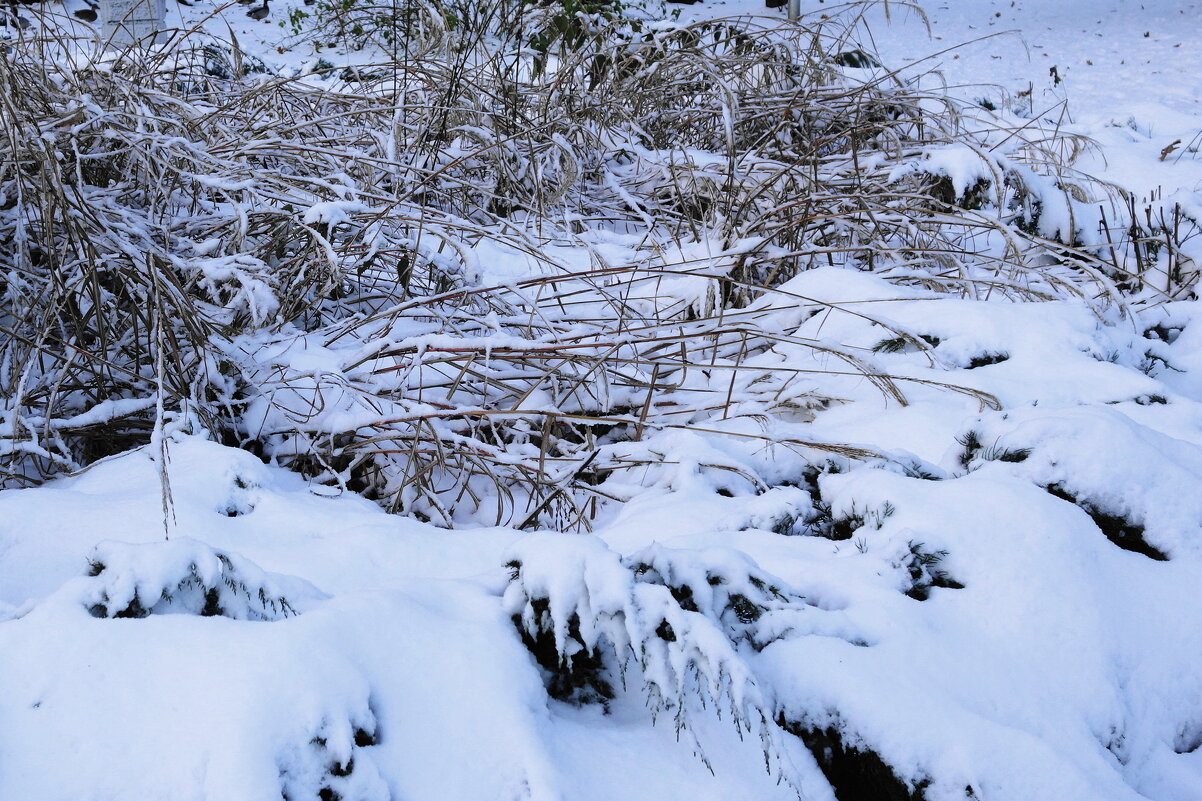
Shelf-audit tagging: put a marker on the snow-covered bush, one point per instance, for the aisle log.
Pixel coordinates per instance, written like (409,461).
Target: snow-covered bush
(679,621)
(184,576)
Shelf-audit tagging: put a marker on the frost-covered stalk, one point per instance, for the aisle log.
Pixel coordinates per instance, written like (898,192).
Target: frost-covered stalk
(158,442)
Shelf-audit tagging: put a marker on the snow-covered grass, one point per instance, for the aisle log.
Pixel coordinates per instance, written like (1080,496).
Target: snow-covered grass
(704,411)
(303,272)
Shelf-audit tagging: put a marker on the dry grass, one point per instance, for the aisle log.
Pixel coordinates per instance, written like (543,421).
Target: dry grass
(176,229)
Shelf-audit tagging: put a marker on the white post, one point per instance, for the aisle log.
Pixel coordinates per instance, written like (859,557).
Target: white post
(794,10)
(127,22)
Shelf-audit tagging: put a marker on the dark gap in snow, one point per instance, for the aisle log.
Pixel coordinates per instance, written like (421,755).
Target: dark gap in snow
(212,607)
(844,526)
(856,59)
(665,631)
(1151,400)
(818,520)
(241,500)
(986,359)
(975,450)
(1165,333)
(745,610)
(832,528)
(1016,455)
(132,610)
(683,595)
(855,773)
(922,593)
(925,574)
(1188,739)
(577,678)
(332,771)
(100,441)
(1117,746)
(1122,532)
(973,197)
(364,738)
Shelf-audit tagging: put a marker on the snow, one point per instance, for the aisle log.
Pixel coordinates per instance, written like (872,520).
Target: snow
(412,646)
(996,594)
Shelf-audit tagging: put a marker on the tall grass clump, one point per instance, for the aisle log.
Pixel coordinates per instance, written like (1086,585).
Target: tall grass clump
(489,276)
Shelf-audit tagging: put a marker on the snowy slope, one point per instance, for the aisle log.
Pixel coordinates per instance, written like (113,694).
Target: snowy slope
(1002,606)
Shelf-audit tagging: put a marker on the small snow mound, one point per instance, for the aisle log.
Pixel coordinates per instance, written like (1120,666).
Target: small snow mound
(188,577)
(1138,485)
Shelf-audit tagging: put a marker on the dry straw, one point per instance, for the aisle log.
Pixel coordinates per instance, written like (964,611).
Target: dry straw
(178,225)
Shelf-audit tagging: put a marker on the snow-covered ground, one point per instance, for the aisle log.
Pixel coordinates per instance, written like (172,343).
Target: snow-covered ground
(1002,607)
(1122,72)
